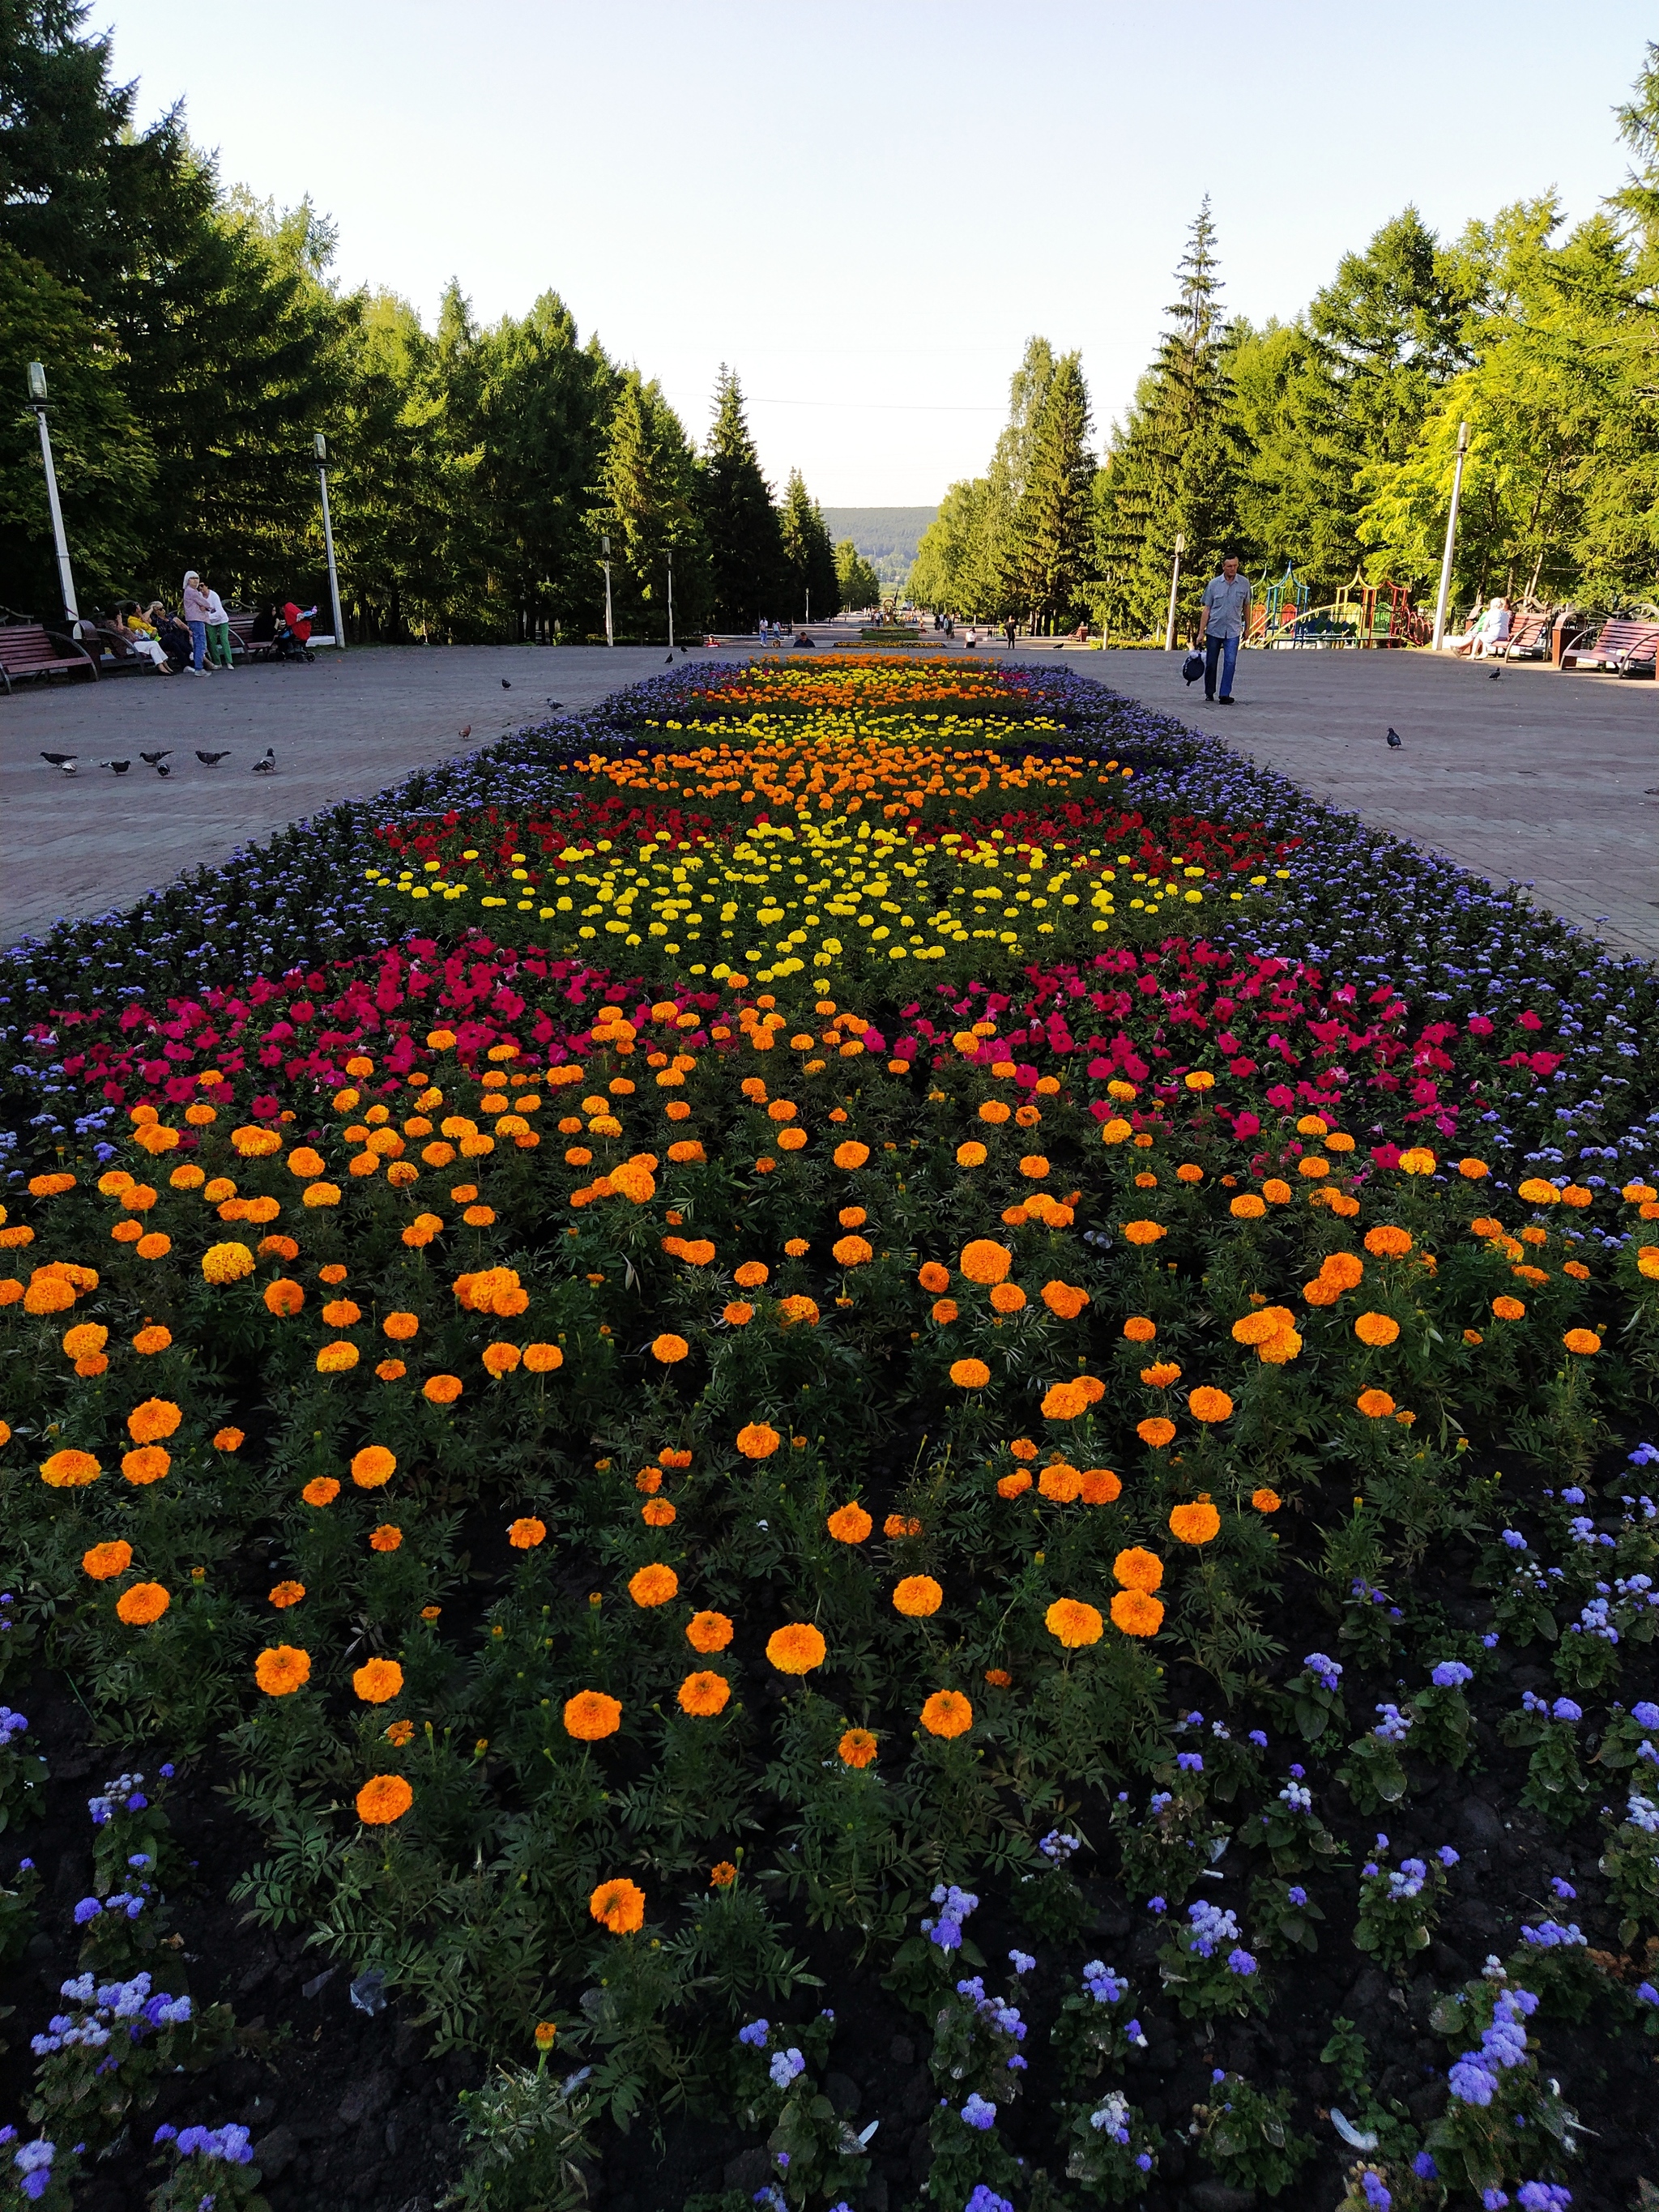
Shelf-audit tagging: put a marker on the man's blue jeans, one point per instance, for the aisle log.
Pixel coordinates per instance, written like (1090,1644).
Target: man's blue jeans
(1225,650)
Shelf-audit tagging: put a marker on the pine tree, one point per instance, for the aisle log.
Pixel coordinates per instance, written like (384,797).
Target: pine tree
(648,481)
(1051,546)
(1174,466)
(747,566)
(812,579)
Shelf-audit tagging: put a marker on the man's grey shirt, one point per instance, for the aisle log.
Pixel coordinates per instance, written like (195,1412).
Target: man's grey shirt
(1226,603)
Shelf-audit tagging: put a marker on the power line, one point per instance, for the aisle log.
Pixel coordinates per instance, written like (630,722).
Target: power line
(877,406)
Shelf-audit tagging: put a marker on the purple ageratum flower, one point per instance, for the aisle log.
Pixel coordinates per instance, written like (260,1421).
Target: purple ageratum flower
(1375,2192)
(1425,2167)
(1515,1540)
(88,1909)
(1296,1895)
(1327,1670)
(1451,1674)
(1493,2200)
(1646,1715)
(1190,1762)
(1258,1737)
(979,2112)
(1022,1961)
(1241,1963)
(987,2200)
(1551,1936)
(1565,1709)
(1564,1889)
(1543,2196)
(1447,1856)
(1472,2082)
(755,2034)
(787,2066)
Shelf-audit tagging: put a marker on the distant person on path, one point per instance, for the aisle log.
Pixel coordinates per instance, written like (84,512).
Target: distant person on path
(196,611)
(218,631)
(1223,612)
(1010,632)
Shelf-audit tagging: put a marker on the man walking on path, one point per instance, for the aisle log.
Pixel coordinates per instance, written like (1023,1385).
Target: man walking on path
(1222,613)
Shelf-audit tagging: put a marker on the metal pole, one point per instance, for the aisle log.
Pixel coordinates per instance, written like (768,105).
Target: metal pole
(671,598)
(1175,585)
(1451,539)
(65,577)
(605,548)
(321,445)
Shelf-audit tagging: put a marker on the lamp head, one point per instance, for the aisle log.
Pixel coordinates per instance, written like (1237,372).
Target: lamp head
(319,447)
(38,383)
(604,544)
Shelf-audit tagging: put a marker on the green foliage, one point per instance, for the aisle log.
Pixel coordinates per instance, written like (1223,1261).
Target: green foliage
(857,584)
(1245,2133)
(527,2143)
(747,559)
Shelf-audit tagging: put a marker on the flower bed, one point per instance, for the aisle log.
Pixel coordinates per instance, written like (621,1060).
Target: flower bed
(856,1321)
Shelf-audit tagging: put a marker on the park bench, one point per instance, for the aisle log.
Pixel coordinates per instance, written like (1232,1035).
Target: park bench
(243,641)
(30,649)
(1529,639)
(1624,647)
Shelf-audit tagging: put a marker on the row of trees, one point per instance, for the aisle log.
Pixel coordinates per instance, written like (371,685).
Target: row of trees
(194,341)
(1328,442)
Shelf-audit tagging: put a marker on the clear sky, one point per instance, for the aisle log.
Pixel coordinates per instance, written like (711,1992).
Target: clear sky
(867,209)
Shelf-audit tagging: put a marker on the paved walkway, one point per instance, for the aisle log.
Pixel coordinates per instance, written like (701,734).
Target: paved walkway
(1544,778)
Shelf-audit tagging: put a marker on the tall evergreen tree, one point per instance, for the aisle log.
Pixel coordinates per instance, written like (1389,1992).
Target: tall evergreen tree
(1173,469)
(647,490)
(1051,549)
(811,580)
(748,570)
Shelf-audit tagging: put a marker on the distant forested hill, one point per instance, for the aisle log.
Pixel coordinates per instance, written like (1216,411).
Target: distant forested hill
(887,537)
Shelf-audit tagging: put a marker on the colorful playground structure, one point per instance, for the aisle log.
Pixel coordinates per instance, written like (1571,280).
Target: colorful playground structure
(1361,614)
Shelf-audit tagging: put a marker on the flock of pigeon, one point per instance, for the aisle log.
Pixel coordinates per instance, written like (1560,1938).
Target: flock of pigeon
(69,763)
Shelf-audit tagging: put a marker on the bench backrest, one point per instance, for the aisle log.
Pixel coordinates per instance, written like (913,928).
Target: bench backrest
(26,645)
(1626,636)
(1528,631)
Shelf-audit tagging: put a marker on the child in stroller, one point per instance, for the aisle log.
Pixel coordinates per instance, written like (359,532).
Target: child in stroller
(293,633)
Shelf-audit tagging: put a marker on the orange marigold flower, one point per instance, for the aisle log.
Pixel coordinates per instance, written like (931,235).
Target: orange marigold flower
(1138,1569)
(282,1670)
(1265,1501)
(704,1694)
(1139,1330)
(985,1262)
(1008,1298)
(1143,1232)
(1375,1405)
(386,1538)
(338,1359)
(1582,1341)
(1137,1613)
(1156,1430)
(618,1905)
(373,1466)
(758,1440)
(900,1524)
(722,1876)
(156,1418)
(947,1713)
(1160,1375)
(390,1370)
(146,1463)
(1060,1482)
(227,1263)
(945,1311)
(933,1277)
(851,1251)
(970,1374)
(751,1274)
(1064,1300)
(797,1248)
(441,1389)
(850,1154)
(400,1327)
(1376,1329)
(342,1313)
(105,1561)
(856,1748)
(654,1585)
(543,1359)
(377,1681)
(739,1314)
(1099,1486)
(287,1594)
(384,1798)
(501,1358)
(590,1716)
(1015,1485)
(998,1677)
(798,1310)
(708,1631)
(69,1469)
(670,1350)
(142,1604)
(797,1648)
(1247,1206)
(972,1154)
(85,1338)
(849,1524)
(1198,1523)
(658,1513)
(1387,1243)
(322,1490)
(1507,1309)
(526,1533)
(228,1440)
(1206,1404)
(1073,1623)
(917,1596)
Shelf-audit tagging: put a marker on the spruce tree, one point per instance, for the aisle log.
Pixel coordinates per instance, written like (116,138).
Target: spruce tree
(1174,466)
(813,582)
(748,570)
(647,480)
(1051,549)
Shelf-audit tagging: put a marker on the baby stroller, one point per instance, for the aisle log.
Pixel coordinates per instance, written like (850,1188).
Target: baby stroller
(292,637)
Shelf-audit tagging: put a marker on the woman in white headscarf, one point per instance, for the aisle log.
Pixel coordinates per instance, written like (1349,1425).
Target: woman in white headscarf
(197,611)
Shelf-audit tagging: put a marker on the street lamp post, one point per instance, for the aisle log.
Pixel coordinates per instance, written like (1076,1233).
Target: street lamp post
(605,548)
(671,598)
(38,400)
(1451,537)
(1175,585)
(319,444)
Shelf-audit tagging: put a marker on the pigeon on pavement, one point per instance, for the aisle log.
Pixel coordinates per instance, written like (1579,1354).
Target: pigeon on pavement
(1493,675)
(555,702)
(268,765)
(668,657)
(467,732)
(1396,741)
(155,759)
(63,760)
(162,767)
(120,766)
(506,686)
(211,760)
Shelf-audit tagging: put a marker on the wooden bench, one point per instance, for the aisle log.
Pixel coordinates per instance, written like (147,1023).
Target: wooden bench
(30,649)
(1622,646)
(243,640)
(1528,639)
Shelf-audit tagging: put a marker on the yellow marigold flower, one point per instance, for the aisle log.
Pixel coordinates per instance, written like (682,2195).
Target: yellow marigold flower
(377,1681)
(338,1359)
(947,1713)
(227,1263)
(796,1649)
